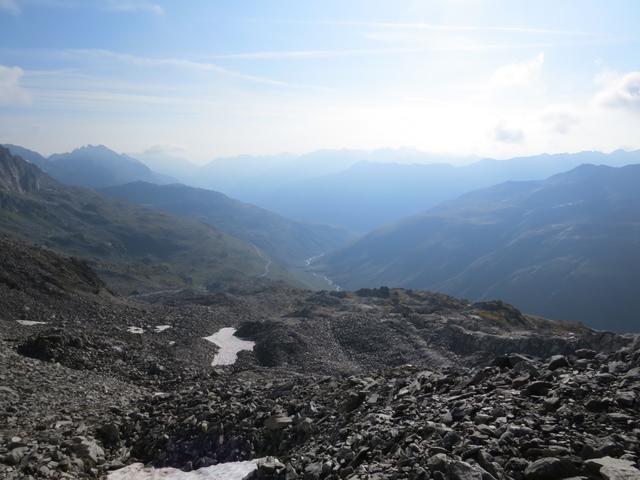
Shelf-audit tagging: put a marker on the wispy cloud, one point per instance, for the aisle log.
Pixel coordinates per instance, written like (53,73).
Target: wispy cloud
(439,27)
(179,63)
(312,54)
(321,54)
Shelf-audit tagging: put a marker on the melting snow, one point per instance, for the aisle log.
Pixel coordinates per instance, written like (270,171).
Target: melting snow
(162,328)
(229,345)
(222,471)
(135,330)
(28,323)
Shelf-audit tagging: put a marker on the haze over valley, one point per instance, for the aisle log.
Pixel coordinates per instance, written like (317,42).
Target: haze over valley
(318,241)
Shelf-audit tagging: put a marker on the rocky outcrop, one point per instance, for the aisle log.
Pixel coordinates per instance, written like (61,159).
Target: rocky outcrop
(17,176)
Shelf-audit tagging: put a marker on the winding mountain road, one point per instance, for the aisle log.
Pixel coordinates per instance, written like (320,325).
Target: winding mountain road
(309,261)
(267,260)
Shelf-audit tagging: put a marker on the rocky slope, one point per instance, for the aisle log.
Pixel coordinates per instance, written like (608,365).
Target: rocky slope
(518,418)
(327,389)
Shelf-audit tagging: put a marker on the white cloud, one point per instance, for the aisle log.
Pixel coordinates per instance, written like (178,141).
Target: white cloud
(11,92)
(559,120)
(621,92)
(523,74)
(10,6)
(181,63)
(504,134)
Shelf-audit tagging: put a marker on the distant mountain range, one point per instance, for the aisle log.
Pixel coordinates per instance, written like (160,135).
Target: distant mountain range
(91,166)
(566,247)
(131,246)
(355,190)
(361,190)
(246,175)
(369,195)
(284,240)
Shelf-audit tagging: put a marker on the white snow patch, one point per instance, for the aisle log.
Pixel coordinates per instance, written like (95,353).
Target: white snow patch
(137,330)
(229,345)
(222,471)
(28,323)
(162,328)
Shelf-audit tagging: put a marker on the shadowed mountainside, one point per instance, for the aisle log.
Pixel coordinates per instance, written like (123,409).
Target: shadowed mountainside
(134,247)
(285,240)
(566,247)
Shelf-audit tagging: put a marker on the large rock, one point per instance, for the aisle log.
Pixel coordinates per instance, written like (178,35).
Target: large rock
(277,422)
(109,433)
(550,468)
(15,455)
(614,468)
(463,471)
(557,361)
(539,388)
(87,450)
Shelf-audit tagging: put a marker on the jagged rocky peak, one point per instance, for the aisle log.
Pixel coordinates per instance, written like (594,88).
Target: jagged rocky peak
(17,175)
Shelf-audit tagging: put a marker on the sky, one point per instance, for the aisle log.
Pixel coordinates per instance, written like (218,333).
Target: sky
(209,78)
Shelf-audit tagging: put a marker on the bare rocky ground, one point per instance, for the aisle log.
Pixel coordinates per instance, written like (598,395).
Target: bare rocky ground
(374,384)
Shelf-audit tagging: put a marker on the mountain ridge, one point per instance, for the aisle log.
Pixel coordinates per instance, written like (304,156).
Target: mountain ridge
(562,247)
(368,195)
(287,241)
(131,245)
(92,166)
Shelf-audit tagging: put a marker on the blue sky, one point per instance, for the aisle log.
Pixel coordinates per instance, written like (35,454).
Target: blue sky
(207,78)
